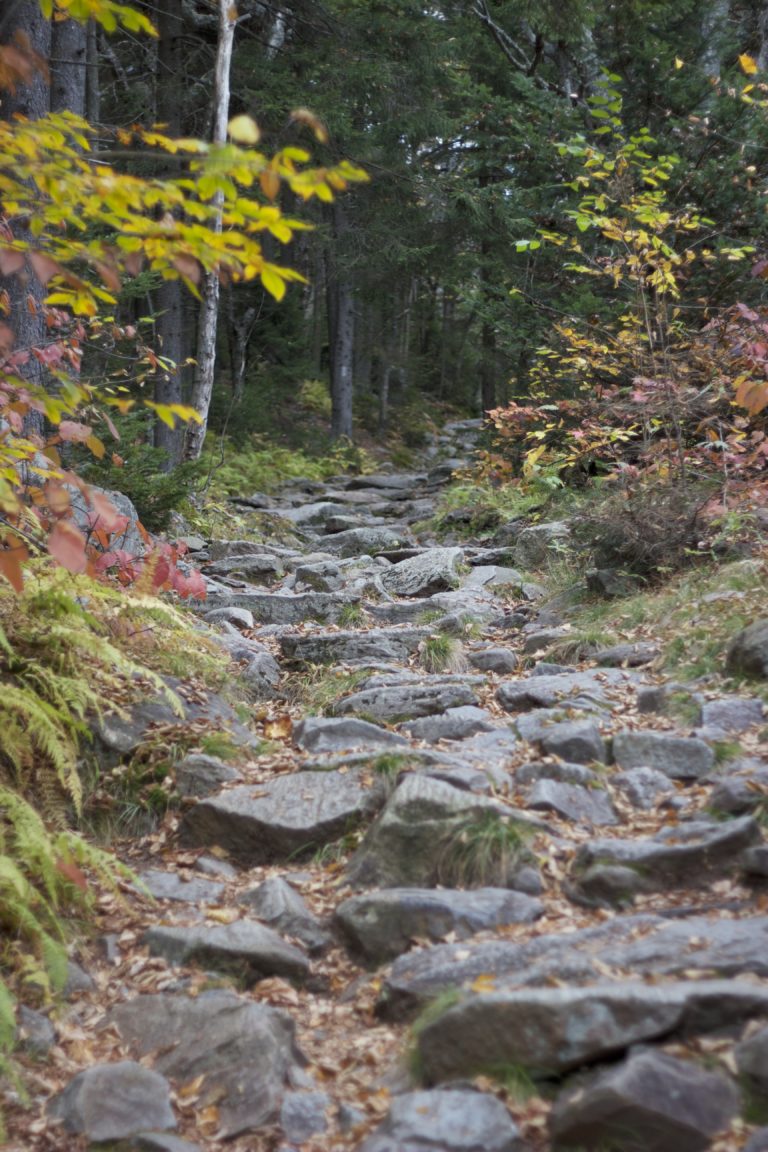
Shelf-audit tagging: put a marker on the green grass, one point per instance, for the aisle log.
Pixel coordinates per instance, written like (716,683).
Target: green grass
(441,653)
(484,850)
(319,687)
(351,616)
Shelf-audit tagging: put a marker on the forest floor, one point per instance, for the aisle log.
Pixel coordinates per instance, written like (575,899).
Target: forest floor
(637,800)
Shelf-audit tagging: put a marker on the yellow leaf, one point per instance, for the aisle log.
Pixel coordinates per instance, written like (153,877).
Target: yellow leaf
(485,982)
(244,130)
(273,283)
(678,63)
(222,915)
(279,728)
(748,64)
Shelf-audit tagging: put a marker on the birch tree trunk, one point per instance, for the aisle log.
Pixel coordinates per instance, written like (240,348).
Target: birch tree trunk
(209,289)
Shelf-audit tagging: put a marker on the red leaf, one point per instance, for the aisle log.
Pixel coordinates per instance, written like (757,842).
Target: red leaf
(70,871)
(66,544)
(73,430)
(11,261)
(107,516)
(44,266)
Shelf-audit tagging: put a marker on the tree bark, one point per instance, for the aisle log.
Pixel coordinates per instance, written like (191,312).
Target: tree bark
(169,327)
(31,100)
(206,334)
(69,60)
(341,332)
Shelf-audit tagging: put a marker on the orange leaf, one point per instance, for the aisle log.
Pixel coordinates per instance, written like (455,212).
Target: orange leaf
(11,261)
(108,516)
(66,544)
(70,871)
(279,728)
(270,183)
(44,266)
(11,560)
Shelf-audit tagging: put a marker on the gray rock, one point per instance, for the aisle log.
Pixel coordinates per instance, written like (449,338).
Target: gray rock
(199,775)
(36,1034)
(732,713)
(259,672)
(395,644)
(130,538)
(547,691)
(222,549)
(536,545)
(610,583)
(626,655)
(281,906)
(238,617)
(78,980)
(409,845)
(755,861)
(248,949)
(435,570)
(409,700)
(329,734)
(244,1051)
(690,853)
(118,736)
(502,661)
(540,639)
(314,513)
(554,1030)
(758,1141)
(362,541)
(748,651)
(112,1101)
(582,805)
(303,1115)
(651,1103)
(679,757)
(642,786)
(737,795)
(535,770)
(455,724)
(752,1060)
(449,1121)
(252,567)
(286,816)
(576,741)
(381,925)
(632,945)
(392,482)
(172,886)
(280,608)
(322,576)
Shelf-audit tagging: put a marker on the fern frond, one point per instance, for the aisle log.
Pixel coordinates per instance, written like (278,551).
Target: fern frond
(7,1019)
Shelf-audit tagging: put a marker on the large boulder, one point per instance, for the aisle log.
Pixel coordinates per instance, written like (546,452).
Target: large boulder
(748,651)
(113,1101)
(554,1030)
(435,570)
(382,924)
(651,1103)
(679,757)
(244,948)
(452,1121)
(287,816)
(243,1052)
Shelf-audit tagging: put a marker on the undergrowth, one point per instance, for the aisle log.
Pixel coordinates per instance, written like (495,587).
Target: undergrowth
(485,849)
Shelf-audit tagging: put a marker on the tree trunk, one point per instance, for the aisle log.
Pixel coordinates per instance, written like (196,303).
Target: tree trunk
(69,59)
(487,334)
(169,327)
(341,333)
(206,334)
(25,292)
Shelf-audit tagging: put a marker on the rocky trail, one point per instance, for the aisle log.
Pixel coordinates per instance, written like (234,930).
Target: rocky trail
(446,895)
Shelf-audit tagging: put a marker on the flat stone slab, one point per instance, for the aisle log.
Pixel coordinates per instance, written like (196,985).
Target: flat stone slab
(589,806)
(331,734)
(554,1030)
(679,757)
(732,713)
(244,1051)
(652,1102)
(278,608)
(455,724)
(450,1121)
(113,1101)
(249,949)
(172,886)
(338,647)
(435,570)
(288,816)
(408,701)
(381,925)
(690,853)
(362,541)
(632,945)
(548,691)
